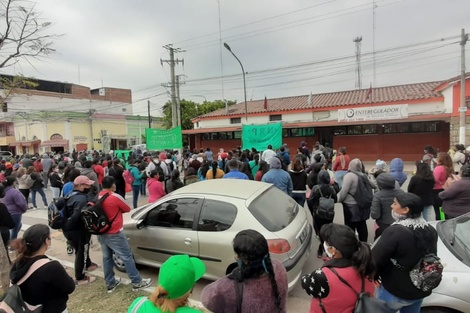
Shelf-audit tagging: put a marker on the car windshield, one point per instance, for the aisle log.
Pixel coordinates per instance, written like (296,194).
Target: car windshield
(274,209)
(455,235)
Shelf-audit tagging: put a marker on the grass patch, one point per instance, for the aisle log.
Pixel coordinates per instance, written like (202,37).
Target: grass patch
(94,298)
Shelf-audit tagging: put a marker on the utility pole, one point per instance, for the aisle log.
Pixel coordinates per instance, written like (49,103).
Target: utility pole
(148,110)
(178,103)
(172,62)
(358,41)
(90,117)
(374,70)
(463,105)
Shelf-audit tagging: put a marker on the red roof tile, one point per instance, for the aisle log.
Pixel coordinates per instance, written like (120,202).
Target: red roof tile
(419,91)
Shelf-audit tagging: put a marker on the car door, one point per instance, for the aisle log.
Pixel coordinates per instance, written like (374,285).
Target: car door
(168,228)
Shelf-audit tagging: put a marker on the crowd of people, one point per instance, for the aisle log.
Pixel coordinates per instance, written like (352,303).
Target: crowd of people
(437,190)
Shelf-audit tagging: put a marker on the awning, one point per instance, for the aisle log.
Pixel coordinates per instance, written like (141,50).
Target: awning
(55,143)
(25,143)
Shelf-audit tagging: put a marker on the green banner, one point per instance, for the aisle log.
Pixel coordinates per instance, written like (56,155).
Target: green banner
(161,139)
(260,136)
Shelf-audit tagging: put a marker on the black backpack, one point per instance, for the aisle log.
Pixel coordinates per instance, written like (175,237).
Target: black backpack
(95,219)
(56,215)
(363,195)
(326,206)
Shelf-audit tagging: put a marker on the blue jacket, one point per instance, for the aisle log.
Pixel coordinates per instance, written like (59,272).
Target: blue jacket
(286,157)
(235,174)
(279,178)
(396,170)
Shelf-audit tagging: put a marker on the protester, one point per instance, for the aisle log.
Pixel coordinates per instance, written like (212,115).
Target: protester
(263,169)
(341,165)
(456,198)
(233,172)
(155,185)
(190,177)
(114,241)
(136,184)
(116,170)
(353,216)
(215,172)
(458,158)
(268,154)
(443,169)
(37,187)
(278,177)
(75,232)
(322,189)
(6,221)
(399,249)
(174,182)
(47,163)
(55,181)
(299,182)
(383,199)
(16,205)
(25,182)
(351,260)
(421,184)
(176,280)
(261,281)
(396,170)
(49,285)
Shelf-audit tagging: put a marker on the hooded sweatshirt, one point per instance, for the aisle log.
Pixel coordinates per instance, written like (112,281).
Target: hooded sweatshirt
(350,183)
(49,285)
(396,169)
(381,203)
(155,188)
(46,162)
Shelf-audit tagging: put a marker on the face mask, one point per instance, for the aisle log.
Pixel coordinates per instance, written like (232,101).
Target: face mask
(397,216)
(325,247)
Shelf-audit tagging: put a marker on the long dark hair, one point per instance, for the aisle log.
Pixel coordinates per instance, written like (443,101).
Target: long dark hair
(344,239)
(214,165)
(204,168)
(254,260)
(423,170)
(33,239)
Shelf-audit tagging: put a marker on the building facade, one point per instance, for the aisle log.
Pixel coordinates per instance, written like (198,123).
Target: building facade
(57,116)
(386,122)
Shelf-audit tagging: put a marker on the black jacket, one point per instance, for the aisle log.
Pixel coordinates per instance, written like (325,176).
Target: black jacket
(399,243)
(73,208)
(299,180)
(380,209)
(49,285)
(55,180)
(6,223)
(422,188)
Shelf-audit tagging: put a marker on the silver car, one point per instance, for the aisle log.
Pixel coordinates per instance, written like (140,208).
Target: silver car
(453,247)
(202,219)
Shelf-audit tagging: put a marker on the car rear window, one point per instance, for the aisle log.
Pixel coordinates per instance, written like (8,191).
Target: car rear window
(274,209)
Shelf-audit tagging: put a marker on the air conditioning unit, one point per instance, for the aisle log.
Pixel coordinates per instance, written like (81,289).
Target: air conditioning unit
(102,92)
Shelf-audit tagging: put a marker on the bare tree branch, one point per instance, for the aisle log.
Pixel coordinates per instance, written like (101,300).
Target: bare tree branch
(23,35)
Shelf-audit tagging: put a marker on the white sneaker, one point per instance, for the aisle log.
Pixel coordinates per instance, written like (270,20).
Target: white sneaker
(144,283)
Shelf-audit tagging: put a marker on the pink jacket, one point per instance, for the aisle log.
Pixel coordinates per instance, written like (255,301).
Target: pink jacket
(155,188)
(440,176)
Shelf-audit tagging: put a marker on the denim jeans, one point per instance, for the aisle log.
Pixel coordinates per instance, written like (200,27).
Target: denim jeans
(299,197)
(397,304)
(339,178)
(428,213)
(55,192)
(143,187)
(16,229)
(135,194)
(118,244)
(33,196)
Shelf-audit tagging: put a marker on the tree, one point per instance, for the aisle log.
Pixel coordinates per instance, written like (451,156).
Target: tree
(23,34)
(190,110)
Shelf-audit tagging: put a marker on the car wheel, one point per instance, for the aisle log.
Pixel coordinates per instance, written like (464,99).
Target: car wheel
(438,310)
(119,263)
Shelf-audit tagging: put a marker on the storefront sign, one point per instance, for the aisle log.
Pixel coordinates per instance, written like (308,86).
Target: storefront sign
(159,139)
(79,139)
(260,136)
(385,112)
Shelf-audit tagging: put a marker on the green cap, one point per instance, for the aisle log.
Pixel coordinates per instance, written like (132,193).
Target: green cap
(179,273)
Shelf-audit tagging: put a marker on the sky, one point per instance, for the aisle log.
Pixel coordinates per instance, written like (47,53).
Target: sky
(287,48)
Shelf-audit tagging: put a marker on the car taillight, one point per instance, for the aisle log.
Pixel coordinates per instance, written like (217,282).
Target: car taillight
(278,246)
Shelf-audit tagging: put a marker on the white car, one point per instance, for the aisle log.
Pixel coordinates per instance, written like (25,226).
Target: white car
(453,247)
(202,219)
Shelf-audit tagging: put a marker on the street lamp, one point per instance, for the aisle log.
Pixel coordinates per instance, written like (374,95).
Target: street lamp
(244,82)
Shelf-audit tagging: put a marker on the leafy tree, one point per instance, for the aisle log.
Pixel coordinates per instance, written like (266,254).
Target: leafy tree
(190,110)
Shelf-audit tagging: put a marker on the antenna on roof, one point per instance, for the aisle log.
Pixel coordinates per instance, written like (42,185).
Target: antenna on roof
(358,41)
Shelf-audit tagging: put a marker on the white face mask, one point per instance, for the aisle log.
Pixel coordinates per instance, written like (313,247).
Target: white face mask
(397,216)
(325,247)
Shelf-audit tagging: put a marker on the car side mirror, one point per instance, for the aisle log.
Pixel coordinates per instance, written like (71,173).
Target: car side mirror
(140,224)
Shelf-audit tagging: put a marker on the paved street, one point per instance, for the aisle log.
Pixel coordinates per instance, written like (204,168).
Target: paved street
(298,300)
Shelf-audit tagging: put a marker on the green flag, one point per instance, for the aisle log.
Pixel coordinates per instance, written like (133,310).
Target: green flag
(161,139)
(260,136)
